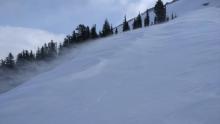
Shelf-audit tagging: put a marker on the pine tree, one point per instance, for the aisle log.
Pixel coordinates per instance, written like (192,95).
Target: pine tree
(10,62)
(125,25)
(43,53)
(52,50)
(93,32)
(106,30)
(82,33)
(147,19)
(160,12)
(139,21)
(20,59)
(32,56)
(134,24)
(67,41)
(73,39)
(38,54)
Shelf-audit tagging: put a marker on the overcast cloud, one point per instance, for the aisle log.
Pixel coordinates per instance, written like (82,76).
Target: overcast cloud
(61,16)
(28,23)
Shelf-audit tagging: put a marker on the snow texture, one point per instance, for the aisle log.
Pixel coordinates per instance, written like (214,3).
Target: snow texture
(164,74)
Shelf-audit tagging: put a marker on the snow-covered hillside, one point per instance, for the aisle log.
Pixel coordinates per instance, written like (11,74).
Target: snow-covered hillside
(164,74)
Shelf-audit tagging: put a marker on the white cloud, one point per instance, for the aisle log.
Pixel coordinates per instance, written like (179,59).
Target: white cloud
(64,18)
(15,39)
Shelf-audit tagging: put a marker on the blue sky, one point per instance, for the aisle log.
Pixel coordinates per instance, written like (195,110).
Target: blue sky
(62,16)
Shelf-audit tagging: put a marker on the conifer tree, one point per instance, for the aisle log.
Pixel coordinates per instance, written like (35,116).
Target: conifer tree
(20,60)
(32,56)
(147,19)
(67,41)
(10,62)
(43,53)
(93,32)
(125,25)
(139,21)
(106,30)
(52,50)
(82,33)
(38,54)
(134,24)
(73,38)
(160,12)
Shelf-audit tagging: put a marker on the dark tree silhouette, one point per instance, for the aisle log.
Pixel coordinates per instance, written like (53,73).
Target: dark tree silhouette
(160,11)
(10,62)
(106,30)
(93,33)
(83,33)
(73,38)
(147,19)
(137,22)
(52,50)
(125,25)
(67,41)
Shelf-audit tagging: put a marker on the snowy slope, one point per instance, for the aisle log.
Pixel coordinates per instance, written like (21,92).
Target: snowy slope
(164,74)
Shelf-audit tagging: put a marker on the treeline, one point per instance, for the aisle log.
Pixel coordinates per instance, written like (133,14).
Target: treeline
(52,50)
(160,17)
(81,34)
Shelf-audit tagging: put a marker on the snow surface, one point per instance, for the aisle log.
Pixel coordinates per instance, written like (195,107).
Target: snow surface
(164,74)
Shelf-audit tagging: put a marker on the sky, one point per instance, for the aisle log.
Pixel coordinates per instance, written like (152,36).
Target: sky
(31,23)
(62,16)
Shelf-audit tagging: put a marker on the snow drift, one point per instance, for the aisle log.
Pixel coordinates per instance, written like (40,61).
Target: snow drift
(164,74)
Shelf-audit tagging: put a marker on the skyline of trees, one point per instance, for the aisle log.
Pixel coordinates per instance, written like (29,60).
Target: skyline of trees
(82,33)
